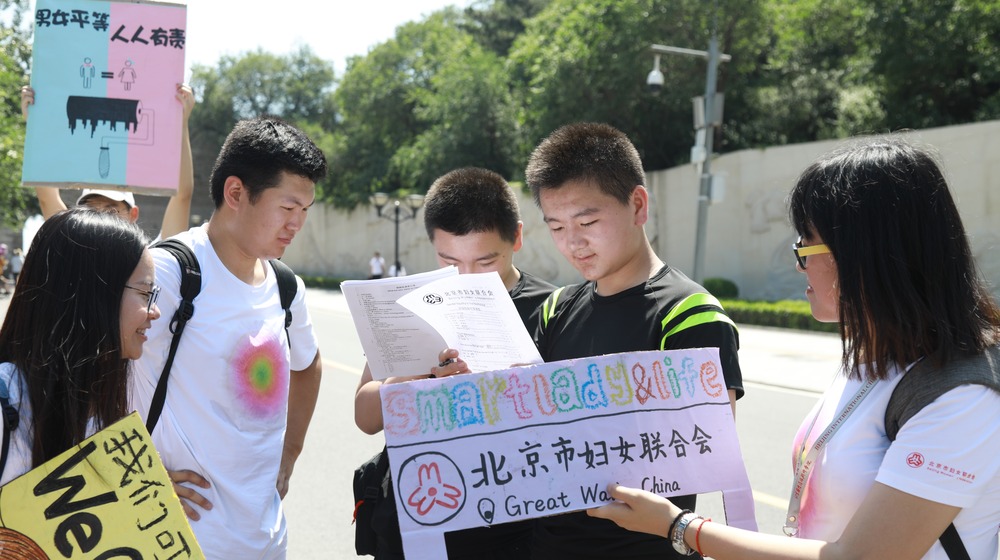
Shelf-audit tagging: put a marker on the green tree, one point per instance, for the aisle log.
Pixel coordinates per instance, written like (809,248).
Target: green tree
(16,203)
(427,101)
(938,61)
(497,23)
(297,88)
(813,80)
(587,61)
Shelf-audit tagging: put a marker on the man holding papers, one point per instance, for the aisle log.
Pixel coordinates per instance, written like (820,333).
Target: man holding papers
(472,219)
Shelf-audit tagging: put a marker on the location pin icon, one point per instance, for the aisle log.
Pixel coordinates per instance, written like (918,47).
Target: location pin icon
(486,509)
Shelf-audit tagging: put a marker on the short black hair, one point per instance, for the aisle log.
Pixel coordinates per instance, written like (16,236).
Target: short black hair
(470,200)
(258,150)
(591,152)
(908,283)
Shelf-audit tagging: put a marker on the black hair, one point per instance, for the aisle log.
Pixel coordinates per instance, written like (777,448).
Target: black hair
(471,200)
(258,150)
(62,330)
(908,283)
(589,152)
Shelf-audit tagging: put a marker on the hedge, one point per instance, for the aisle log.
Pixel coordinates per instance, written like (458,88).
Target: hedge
(321,282)
(789,314)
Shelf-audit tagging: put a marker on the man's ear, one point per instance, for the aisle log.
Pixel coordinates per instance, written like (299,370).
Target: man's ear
(233,191)
(640,205)
(519,236)
(133,214)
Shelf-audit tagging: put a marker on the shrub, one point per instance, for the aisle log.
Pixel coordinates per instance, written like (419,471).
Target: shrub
(789,314)
(722,288)
(321,282)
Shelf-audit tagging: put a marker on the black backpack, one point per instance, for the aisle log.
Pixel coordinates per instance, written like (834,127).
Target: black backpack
(921,386)
(189,290)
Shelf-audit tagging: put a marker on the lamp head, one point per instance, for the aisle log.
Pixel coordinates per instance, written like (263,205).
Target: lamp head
(415,201)
(655,78)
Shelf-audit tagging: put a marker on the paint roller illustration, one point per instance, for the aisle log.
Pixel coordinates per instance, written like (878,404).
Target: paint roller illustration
(91,111)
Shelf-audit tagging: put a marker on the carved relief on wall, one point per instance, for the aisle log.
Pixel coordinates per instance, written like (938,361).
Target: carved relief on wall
(766,208)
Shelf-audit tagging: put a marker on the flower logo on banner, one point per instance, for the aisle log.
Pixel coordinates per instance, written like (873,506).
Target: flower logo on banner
(433,486)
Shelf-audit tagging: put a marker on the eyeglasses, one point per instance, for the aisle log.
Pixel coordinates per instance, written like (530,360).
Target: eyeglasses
(153,294)
(802,252)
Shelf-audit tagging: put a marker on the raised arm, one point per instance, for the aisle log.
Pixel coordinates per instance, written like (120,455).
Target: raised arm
(176,216)
(368,400)
(48,197)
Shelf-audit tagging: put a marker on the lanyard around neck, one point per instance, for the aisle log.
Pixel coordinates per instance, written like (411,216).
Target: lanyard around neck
(805,461)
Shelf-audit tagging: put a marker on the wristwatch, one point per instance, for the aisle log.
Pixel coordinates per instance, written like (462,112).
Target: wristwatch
(677,539)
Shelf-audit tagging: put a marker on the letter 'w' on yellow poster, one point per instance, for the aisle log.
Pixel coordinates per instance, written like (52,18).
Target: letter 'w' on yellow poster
(109,497)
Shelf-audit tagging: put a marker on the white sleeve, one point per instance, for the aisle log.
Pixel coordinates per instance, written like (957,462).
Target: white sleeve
(301,336)
(949,452)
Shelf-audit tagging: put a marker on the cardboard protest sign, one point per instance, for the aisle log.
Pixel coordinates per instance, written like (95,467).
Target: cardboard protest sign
(109,497)
(489,448)
(105,76)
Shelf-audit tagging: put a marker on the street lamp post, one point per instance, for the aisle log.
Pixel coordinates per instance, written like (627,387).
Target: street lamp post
(706,126)
(413,202)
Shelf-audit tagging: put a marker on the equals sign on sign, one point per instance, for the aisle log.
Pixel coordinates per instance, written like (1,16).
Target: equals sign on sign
(107,75)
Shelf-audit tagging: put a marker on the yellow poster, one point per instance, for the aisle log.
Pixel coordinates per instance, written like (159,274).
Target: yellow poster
(108,497)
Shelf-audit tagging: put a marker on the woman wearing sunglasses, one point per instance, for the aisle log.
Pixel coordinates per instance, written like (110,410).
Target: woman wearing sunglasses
(885,255)
(79,314)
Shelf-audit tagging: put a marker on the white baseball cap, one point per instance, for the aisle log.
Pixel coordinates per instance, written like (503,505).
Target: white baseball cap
(120,196)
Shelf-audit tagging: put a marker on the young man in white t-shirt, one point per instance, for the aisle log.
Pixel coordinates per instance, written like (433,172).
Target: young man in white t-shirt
(240,395)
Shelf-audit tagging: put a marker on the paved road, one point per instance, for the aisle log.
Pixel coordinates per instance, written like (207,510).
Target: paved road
(784,372)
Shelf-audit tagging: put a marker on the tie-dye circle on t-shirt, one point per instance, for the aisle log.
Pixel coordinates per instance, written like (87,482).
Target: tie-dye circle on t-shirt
(260,375)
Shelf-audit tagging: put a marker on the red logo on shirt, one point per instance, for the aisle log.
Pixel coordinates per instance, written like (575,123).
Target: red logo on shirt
(915,460)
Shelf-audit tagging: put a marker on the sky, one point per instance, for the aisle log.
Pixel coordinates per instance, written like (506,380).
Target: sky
(333,30)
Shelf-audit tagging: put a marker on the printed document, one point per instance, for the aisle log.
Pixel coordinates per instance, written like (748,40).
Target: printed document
(404,323)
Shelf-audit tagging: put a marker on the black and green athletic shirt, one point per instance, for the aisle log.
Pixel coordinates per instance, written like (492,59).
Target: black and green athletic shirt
(667,312)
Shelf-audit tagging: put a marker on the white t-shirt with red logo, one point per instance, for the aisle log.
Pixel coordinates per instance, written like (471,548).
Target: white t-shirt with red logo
(949,453)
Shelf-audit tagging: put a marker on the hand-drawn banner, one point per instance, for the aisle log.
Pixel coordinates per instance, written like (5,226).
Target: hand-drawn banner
(105,76)
(109,497)
(482,449)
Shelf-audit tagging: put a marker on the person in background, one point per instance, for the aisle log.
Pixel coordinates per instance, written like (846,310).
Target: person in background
(376,266)
(84,301)
(886,256)
(175,217)
(16,264)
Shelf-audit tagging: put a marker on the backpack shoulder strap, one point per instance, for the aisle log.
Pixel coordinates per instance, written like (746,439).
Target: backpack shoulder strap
(922,385)
(189,290)
(287,286)
(10,421)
